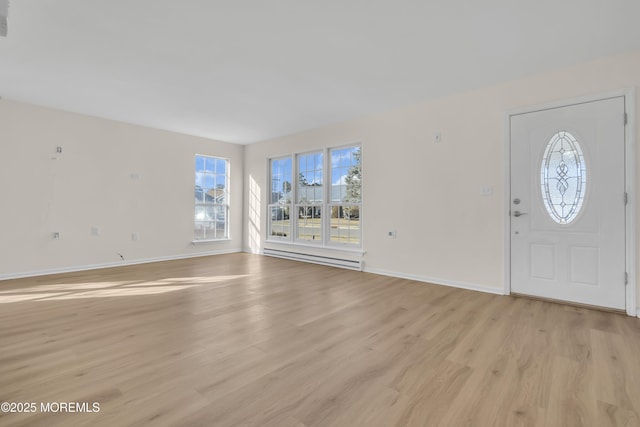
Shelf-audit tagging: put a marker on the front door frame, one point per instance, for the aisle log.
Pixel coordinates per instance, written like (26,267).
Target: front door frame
(630,183)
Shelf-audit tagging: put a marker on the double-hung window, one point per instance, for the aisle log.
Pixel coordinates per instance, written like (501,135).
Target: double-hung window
(211,198)
(316,197)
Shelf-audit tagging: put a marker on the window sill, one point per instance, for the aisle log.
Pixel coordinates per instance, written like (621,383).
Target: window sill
(347,249)
(197,242)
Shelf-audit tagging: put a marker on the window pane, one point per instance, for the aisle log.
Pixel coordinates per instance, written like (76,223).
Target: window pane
(346,175)
(345,224)
(280,222)
(199,214)
(210,212)
(221,167)
(221,229)
(280,180)
(563,177)
(221,182)
(345,158)
(210,231)
(209,164)
(335,158)
(199,194)
(309,221)
(204,230)
(198,231)
(209,181)
(200,179)
(275,196)
(309,177)
(199,163)
(220,220)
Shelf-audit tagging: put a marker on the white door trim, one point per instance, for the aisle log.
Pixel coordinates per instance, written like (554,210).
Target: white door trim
(630,184)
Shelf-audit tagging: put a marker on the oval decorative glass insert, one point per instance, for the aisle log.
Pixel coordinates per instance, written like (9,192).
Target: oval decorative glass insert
(563,178)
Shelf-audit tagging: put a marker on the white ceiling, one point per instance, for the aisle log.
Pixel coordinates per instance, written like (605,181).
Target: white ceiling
(248,70)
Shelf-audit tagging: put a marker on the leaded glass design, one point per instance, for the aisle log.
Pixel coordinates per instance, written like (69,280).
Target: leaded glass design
(563,178)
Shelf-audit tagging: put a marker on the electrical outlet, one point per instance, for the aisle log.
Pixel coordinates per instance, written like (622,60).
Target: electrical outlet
(55,235)
(135,236)
(95,231)
(391,234)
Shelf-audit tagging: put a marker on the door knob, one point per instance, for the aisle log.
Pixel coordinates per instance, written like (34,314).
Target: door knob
(518,213)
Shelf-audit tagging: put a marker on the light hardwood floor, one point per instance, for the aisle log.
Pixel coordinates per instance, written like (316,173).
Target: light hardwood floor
(243,340)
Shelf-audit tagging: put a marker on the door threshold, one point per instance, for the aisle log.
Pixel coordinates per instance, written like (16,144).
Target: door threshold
(571,303)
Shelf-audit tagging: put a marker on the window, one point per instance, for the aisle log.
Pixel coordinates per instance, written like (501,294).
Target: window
(280,201)
(211,198)
(563,178)
(303,209)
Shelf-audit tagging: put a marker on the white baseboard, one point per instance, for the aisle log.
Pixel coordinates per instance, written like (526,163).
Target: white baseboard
(638,312)
(436,281)
(112,264)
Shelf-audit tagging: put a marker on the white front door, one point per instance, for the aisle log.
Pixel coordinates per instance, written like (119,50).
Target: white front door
(568,203)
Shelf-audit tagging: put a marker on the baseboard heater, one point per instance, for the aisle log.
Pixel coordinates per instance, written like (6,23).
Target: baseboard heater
(316,259)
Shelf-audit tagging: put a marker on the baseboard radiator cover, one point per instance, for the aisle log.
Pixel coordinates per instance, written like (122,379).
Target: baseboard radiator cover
(315,259)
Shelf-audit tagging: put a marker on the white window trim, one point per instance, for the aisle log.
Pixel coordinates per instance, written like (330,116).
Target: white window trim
(270,237)
(226,205)
(336,248)
(329,203)
(325,242)
(222,239)
(297,205)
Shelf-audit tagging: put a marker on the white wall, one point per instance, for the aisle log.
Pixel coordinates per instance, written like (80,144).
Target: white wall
(446,231)
(91,185)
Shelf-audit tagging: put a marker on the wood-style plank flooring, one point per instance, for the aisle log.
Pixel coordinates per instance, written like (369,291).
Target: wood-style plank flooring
(245,340)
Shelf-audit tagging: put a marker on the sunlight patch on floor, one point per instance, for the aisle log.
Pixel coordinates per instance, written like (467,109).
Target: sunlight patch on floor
(126,288)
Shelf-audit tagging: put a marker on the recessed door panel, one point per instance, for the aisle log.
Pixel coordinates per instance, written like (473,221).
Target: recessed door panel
(584,263)
(543,261)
